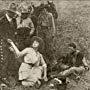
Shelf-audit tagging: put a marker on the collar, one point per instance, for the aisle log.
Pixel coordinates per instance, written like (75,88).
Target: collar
(8,18)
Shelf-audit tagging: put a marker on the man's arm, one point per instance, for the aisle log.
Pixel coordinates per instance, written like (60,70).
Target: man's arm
(52,23)
(44,68)
(85,61)
(31,25)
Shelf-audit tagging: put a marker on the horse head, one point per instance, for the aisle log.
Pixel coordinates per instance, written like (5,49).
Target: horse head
(52,9)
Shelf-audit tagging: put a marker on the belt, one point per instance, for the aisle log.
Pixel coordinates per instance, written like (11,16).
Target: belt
(47,27)
(31,64)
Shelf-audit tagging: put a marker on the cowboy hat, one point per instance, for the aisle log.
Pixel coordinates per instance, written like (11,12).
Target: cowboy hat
(23,7)
(24,10)
(12,8)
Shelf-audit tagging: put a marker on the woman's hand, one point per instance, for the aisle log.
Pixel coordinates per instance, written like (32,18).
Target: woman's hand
(9,41)
(11,49)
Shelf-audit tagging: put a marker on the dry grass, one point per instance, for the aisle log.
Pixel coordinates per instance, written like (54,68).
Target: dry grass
(73,26)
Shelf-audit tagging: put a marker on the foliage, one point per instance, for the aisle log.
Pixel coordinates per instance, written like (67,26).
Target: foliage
(73,26)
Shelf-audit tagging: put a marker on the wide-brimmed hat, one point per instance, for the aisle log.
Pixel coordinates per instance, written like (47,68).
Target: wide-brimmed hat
(12,8)
(50,1)
(23,8)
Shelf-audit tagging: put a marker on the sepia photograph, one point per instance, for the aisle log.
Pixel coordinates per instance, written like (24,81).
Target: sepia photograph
(44,45)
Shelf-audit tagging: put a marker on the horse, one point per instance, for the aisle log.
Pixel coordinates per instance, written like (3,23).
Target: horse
(52,9)
(37,11)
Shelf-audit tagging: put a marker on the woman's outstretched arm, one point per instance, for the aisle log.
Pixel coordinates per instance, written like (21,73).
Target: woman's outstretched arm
(16,50)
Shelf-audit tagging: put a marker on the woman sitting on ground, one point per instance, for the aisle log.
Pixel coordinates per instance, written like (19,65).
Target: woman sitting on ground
(33,66)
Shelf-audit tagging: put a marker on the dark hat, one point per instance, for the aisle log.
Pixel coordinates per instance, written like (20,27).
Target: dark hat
(72,45)
(23,7)
(50,1)
(13,8)
(24,10)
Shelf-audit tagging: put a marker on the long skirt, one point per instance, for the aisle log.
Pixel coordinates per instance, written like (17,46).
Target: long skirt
(29,75)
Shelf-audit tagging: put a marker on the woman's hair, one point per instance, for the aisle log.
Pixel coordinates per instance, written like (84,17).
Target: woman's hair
(38,39)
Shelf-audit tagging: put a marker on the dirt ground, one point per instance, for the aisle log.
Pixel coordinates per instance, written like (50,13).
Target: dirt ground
(83,84)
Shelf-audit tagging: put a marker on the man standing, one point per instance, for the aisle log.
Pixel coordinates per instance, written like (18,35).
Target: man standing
(7,30)
(25,28)
(46,30)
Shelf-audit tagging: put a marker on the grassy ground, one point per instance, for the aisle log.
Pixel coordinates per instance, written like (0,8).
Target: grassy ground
(83,84)
(73,24)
